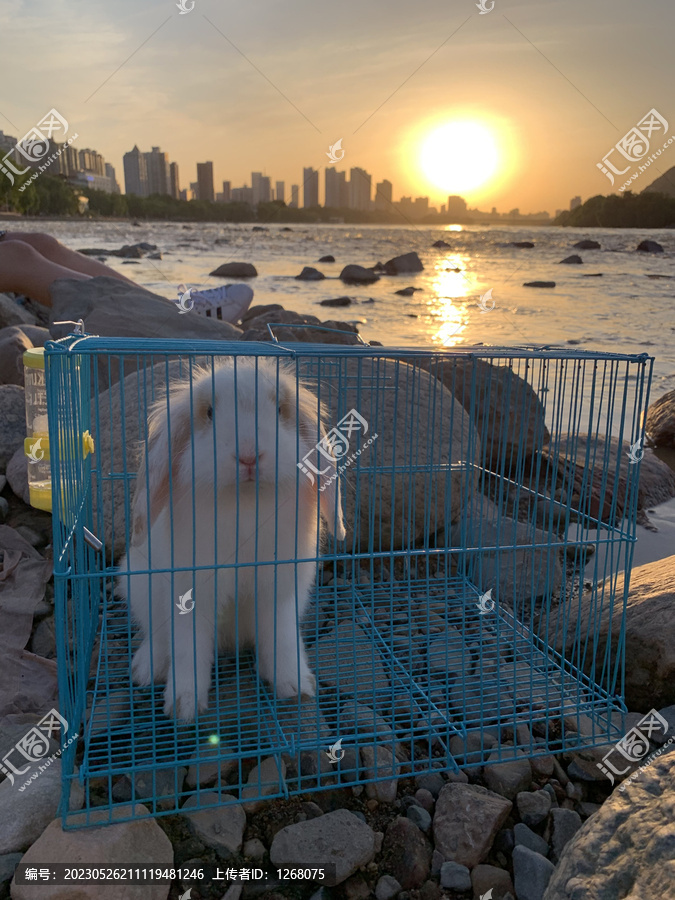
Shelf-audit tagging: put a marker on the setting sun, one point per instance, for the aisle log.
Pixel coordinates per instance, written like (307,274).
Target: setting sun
(459,156)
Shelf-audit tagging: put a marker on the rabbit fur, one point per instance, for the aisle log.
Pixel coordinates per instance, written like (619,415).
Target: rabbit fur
(227,490)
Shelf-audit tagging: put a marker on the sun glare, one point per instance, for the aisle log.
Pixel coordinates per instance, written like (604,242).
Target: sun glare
(459,156)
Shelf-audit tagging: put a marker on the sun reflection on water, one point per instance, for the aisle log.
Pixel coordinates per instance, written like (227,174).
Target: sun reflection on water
(452,285)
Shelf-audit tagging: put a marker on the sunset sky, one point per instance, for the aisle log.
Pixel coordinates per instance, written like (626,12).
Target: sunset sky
(266,85)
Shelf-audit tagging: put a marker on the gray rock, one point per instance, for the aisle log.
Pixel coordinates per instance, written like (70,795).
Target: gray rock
(531,873)
(525,837)
(564,825)
(43,642)
(356,664)
(26,813)
(13,344)
(336,301)
(12,313)
(406,853)
(379,762)
(310,274)
(254,849)
(161,785)
(354,274)
(408,262)
(430,781)
(121,845)
(420,817)
(8,864)
(328,258)
(539,284)
(387,888)
(586,244)
(649,247)
(17,475)
(220,827)
(660,422)
(425,799)
(485,878)
(264,780)
(363,721)
(337,838)
(4,509)
(12,421)
(508,778)
(455,877)
(235,270)
(573,260)
(466,820)
(533,807)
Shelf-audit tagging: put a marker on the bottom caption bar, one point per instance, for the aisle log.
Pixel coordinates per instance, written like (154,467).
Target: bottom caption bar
(61,873)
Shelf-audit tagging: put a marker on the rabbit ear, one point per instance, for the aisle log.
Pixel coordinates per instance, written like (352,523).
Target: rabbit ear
(161,479)
(326,483)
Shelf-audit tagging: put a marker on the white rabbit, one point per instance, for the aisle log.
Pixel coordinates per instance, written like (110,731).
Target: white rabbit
(227,490)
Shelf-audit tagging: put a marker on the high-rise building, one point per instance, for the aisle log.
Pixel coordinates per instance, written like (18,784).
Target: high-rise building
(574,202)
(157,165)
(194,190)
(242,195)
(256,179)
(174,181)
(265,189)
(280,191)
(135,173)
(421,207)
(227,188)
(383,196)
(337,189)
(91,161)
(295,196)
(205,181)
(112,178)
(310,184)
(456,207)
(183,195)
(359,189)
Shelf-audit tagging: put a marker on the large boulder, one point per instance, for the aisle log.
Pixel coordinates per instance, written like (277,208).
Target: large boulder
(289,327)
(660,424)
(649,247)
(12,313)
(235,270)
(625,850)
(309,273)
(586,244)
(595,479)
(12,422)
(354,274)
(399,265)
(650,633)
(573,260)
(504,408)
(420,428)
(114,308)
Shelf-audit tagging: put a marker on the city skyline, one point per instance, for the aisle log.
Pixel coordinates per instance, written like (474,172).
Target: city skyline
(271,89)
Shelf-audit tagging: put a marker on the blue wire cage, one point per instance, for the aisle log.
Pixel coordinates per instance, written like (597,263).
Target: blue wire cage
(485,493)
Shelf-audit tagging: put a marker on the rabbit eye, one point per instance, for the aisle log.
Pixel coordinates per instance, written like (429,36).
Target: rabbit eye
(209,413)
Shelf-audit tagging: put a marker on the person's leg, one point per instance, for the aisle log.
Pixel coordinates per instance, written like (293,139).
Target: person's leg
(55,251)
(25,271)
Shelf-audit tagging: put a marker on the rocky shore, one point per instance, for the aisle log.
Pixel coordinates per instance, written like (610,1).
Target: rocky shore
(543,828)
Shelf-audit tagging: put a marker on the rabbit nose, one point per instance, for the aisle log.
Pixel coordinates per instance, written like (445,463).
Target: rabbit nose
(249,459)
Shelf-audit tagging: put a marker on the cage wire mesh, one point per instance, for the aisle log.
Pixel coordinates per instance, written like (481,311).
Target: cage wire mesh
(487,498)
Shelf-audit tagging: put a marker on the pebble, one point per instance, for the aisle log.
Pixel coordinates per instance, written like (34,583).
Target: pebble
(508,778)
(387,888)
(254,849)
(426,799)
(420,817)
(564,825)
(337,837)
(455,877)
(484,878)
(25,814)
(263,780)
(406,853)
(533,806)
(220,827)
(531,873)
(466,820)
(379,761)
(525,837)
(430,781)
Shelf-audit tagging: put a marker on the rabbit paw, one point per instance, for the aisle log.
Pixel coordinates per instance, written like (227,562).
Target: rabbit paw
(287,682)
(145,668)
(182,706)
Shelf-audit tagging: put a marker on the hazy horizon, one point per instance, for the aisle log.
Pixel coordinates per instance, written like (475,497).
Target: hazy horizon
(269,87)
